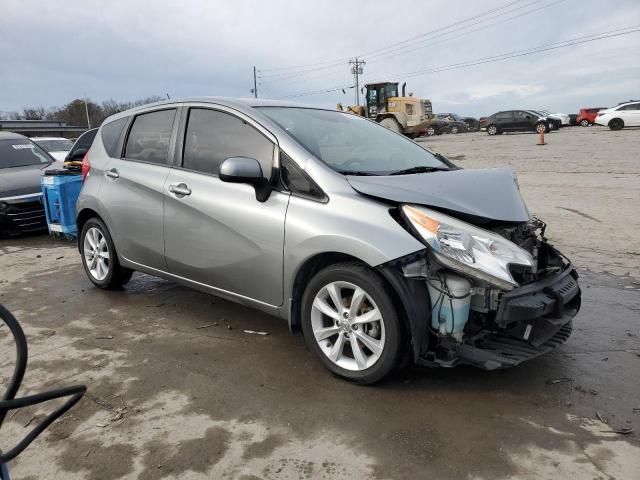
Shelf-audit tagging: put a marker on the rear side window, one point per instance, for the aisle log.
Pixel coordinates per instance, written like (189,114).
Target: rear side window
(149,137)
(503,116)
(111,133)
(631,106)
(213,136)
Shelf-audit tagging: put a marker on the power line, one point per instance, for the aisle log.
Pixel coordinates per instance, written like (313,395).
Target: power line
(431,43)
(314,67)
(529,51)
(504,56)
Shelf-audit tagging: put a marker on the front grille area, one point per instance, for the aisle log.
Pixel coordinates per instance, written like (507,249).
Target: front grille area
(24,216)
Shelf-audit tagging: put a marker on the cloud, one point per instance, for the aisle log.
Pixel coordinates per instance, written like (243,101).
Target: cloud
(497,89)
(53,52)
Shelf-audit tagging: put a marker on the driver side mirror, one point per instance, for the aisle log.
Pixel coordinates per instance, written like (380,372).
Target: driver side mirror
(246,170)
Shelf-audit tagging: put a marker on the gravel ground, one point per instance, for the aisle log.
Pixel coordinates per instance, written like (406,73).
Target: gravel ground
(178,390)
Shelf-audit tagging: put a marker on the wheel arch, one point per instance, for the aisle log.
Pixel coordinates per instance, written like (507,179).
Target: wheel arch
(403,295)
(83,216)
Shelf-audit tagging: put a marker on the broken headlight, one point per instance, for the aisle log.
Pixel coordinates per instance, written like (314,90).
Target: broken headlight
(466,248)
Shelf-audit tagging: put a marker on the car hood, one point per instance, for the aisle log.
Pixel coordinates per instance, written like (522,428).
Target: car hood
(478,196)
(20,180)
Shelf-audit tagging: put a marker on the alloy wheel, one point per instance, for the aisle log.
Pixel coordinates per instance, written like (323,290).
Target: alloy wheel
(96,254)
(585,123)
(348,326)
(492,130)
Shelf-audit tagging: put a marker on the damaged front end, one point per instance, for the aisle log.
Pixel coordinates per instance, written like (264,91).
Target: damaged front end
(497,296)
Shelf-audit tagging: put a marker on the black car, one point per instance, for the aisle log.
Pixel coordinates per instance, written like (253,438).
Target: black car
(472,123)
(21,165)
(456,123)
(437,127)
(82,146)
(517,121)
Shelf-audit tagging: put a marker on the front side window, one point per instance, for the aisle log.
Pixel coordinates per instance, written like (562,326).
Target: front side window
(213,136)
(631,106)
(350,144)
(21,153)
(149,137)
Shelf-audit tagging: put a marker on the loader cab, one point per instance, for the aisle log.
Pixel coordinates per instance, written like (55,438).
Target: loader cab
(377,96)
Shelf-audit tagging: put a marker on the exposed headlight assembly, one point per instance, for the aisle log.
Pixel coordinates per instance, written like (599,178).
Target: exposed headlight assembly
(466,248)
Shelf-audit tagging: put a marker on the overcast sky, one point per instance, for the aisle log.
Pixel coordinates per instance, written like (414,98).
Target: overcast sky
(53,52)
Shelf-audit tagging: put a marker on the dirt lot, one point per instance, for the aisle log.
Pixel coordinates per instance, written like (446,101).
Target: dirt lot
(178,390)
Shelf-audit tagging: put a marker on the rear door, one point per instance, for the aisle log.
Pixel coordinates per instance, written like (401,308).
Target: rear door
(132,190)
(217,233)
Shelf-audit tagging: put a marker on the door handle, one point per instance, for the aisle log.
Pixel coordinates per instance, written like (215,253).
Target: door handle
(180,190)
(113,173)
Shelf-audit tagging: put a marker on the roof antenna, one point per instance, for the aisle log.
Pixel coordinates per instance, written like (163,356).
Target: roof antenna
(168,97)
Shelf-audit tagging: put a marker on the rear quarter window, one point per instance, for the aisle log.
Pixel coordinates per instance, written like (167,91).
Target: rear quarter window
(111,133)
(149,136)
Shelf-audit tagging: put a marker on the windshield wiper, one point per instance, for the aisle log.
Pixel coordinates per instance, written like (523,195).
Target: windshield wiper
(419,169)
(355,172)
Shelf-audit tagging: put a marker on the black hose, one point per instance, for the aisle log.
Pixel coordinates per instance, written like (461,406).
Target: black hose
(9,402)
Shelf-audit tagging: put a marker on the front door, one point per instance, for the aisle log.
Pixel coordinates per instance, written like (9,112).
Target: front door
(217,233)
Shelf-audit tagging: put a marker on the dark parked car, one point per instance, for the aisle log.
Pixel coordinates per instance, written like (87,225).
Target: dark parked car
(517,121)
(82,146)
(472,123)
(456,123)
(437,127)
(21,165)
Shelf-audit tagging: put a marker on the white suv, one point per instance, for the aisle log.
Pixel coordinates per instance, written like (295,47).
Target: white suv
(626,114)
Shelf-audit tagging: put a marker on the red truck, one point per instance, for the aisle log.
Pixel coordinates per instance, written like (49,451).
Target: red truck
(587,116)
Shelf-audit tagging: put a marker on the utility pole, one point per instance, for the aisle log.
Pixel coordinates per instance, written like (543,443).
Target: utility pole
(356,70)
(86,110)
(255,83)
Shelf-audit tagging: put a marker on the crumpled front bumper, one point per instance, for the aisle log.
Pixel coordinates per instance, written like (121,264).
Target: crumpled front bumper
(534,319)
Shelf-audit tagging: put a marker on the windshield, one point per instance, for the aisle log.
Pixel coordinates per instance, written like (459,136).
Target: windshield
(58,145)
(351,144)
(20,153)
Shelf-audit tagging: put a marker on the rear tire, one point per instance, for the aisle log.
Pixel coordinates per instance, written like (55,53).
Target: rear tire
(455,130)
(616,124)
(585,123)
(431,131)
(391,123)
(99,256)
(492,129)
(357,339)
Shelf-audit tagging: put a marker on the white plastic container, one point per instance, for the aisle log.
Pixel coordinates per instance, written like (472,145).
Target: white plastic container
(450,312)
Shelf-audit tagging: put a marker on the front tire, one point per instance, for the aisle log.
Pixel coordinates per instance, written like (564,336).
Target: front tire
(541,127)
(455,130)
(585,123)
(431,131)
(350,323)
(99,256)
(616,124)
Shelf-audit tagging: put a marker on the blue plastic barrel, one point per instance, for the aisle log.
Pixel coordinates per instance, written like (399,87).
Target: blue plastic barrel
(60,190)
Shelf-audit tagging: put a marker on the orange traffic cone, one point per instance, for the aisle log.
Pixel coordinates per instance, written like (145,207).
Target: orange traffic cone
(541,139)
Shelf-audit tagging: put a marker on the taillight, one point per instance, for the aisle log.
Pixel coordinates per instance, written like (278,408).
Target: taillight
(86,166)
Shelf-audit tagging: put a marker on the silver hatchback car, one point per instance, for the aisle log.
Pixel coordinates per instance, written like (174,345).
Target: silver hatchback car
(380,251)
